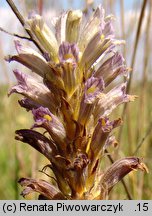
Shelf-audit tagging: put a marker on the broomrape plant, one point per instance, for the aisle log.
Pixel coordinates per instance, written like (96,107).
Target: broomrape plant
(71,101)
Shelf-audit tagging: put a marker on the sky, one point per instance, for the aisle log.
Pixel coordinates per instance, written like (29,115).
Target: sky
(79,3)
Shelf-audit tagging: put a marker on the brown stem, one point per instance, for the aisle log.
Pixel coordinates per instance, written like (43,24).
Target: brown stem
(136,42)
(15,35)
(22,21)
(142,105)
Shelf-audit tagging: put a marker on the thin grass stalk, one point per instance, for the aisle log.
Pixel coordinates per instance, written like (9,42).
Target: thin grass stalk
(16,172)
(111,9)
(143,105)
(141,125)
(111,6)
(142,141)
(13,151)
(123,34)
(141,18)
(148,132)
(40,4)
(129,130)
(133,61)
(126,109)
(3,65)
(129,136)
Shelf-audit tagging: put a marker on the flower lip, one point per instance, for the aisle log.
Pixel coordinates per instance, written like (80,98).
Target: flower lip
(41,115)
(44,118)
(68,52)
(93,87)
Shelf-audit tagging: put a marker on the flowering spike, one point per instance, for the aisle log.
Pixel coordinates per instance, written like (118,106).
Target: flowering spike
(72,103)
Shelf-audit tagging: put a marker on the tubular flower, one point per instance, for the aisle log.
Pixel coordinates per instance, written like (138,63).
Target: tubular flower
(72,103)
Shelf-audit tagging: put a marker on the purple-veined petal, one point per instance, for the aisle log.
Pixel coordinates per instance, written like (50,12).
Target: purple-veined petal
(44,118)
(41,115)
(28,104)
(91,28)
(100,42)
(30,58)
(92,51)
(119,169)
(108,31)
(111,68)
(99,137)
(93,87)
(68,52)
(73,25)
(21,49)
(111,141)
(22,82)
(34,90)
(100,46)
(44,34)
(108,102)
(60,27)
(37,141)
(100,134)
(43,187)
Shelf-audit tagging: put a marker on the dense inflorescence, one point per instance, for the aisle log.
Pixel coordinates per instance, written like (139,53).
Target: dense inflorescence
(71,99)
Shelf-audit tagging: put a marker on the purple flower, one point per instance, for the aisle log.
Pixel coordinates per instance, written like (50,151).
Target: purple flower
(44,118)
(68,52)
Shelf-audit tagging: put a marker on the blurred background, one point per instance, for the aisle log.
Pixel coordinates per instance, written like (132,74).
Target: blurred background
(133,24)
